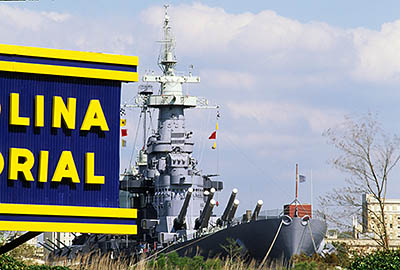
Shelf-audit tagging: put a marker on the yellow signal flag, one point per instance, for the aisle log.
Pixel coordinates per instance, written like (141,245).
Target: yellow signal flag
(122,122)
(214,145)
(216,127)
(123,143)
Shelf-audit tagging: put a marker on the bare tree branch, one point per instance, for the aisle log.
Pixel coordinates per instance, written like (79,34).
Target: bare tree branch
(367,155)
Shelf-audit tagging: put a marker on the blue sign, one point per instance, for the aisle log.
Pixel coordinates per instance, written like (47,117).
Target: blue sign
(59,139)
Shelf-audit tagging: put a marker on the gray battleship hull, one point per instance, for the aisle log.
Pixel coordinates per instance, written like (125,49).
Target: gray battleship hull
(256,237)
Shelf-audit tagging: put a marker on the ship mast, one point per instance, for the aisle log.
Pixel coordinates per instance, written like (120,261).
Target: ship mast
(167,59)
(170,162)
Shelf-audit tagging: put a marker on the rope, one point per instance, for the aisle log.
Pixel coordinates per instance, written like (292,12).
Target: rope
(312,237)
(270,248)
(134,143)
(204,139)
(260,170)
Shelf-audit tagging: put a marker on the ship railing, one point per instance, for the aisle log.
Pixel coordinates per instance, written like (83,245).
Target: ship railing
(276,213)
(211,229)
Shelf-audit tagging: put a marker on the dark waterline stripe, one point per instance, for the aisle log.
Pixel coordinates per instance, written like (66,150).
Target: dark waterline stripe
(65,63)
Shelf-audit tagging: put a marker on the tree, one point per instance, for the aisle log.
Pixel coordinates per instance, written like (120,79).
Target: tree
(367,154)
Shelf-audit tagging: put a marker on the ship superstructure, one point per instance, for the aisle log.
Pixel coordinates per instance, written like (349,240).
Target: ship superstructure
(179,185)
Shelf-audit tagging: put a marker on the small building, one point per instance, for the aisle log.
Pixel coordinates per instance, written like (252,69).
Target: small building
(371,211)
(363,235)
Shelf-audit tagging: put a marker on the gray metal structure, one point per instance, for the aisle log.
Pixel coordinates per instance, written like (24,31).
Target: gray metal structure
(170,164)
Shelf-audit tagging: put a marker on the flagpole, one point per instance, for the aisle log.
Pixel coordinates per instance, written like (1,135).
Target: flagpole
(297,189)
(297,180)
(311,190)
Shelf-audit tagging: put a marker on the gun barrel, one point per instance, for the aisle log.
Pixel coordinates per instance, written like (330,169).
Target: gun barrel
(210,196)
(212,192)
(180,220)
(233,210)
(229,205)
(54,244)
(46,246)
(208,213)
(257,210)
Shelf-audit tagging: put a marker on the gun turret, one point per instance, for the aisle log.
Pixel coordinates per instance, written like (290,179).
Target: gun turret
(228,207)
(179,222)
(233,211)
(199,221)
(257,210)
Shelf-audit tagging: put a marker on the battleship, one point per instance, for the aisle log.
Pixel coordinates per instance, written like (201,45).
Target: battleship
(175,201)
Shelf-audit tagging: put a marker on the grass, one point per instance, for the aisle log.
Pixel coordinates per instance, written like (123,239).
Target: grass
(165,262)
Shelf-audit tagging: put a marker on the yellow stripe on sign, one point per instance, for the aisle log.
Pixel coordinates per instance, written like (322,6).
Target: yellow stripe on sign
(61,210)
(69,55)
(124,76)
(67,227)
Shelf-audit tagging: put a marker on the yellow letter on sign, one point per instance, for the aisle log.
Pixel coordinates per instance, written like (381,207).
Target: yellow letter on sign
(66,168)
(15,119)
(43,166)
(1,163)
(90,178)
(39,111)
(67,112)
(94,117)
(25,167)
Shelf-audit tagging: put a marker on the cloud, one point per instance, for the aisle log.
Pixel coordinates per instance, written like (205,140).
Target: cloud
(61,30)
(205,28)
(261,41)
(269,42)
(230,79)
(286,114)
(21,18)
(378,53)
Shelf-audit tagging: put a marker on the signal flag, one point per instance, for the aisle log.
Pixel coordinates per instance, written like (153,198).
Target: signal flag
(213,136)
(123,122)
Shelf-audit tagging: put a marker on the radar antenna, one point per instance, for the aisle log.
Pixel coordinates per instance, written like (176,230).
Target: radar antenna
(167,58)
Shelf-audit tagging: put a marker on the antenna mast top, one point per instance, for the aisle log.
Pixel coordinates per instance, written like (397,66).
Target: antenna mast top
(167,58)
(171,84)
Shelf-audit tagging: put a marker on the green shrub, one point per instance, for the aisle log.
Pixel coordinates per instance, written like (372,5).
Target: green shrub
(9,263)
(381,259)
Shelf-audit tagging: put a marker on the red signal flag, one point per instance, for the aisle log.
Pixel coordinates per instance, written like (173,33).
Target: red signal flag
(213,136)
(124,132)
